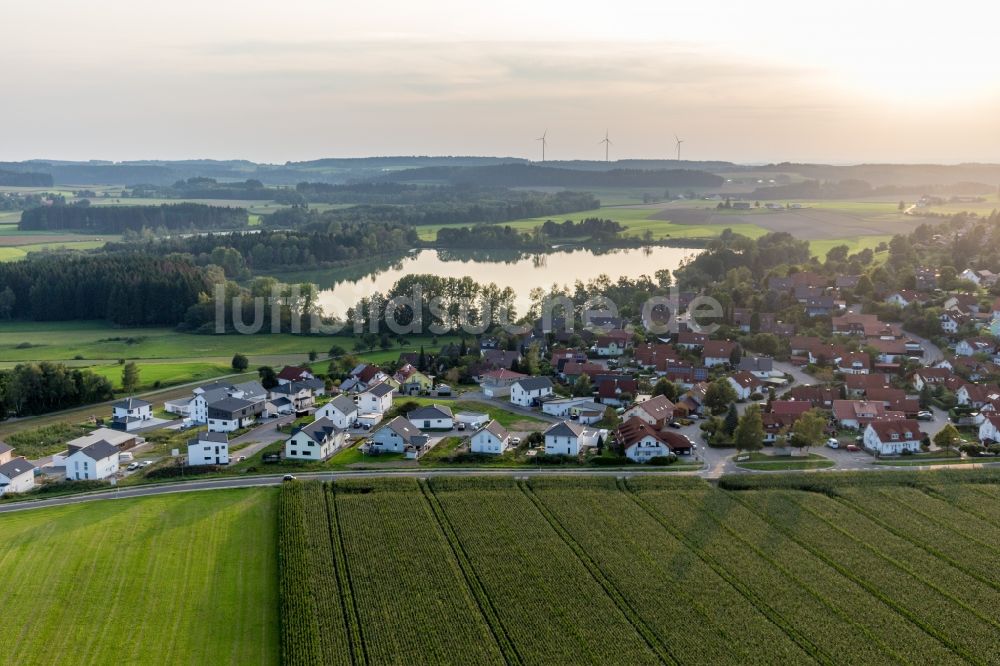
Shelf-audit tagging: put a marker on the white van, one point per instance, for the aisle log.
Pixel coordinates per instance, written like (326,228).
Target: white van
(125,456)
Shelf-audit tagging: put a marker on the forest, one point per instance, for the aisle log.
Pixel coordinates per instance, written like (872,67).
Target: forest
(130,289)
(117,219)
(24,179)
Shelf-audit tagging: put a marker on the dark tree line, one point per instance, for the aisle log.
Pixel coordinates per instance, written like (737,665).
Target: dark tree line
(527,175)
(449,212)
(282,249)
(130,289)
(38,388)
(116,219)
(496,236)
(25,179)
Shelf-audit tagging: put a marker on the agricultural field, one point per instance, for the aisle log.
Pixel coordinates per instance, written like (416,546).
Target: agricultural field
(190,578)
(154,375)
(862,569)
(857,224)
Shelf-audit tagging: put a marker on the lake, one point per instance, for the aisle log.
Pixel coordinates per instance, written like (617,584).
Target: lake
(343,287)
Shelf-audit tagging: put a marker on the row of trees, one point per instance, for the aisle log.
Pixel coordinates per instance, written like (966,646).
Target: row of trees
(117,219)
(37,388)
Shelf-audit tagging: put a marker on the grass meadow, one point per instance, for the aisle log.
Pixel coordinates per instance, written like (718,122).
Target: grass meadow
(182,579)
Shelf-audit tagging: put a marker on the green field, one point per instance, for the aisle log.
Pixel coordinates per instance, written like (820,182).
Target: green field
(647,570)
(153,375)
(180,579)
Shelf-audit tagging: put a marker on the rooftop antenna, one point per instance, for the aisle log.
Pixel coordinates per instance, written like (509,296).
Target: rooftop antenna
(679,142)
(542,139)
(607,143)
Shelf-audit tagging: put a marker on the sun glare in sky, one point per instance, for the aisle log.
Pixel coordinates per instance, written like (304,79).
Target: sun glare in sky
(763,81)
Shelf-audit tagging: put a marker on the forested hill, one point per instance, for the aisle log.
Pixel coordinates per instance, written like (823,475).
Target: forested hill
(117,219)
(130,289)
(527,175)
(24,179)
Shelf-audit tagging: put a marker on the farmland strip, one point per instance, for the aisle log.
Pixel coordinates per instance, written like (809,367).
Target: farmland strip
(349,609)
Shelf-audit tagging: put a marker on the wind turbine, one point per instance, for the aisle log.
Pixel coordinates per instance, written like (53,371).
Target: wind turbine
(607,143)
(542,139)
(679,142)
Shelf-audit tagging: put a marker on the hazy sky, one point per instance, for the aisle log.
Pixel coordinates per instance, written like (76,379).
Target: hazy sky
(760,81)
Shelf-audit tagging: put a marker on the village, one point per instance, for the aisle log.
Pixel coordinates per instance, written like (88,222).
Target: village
(605,397)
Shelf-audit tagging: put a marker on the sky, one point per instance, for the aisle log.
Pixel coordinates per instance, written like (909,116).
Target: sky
(768,81)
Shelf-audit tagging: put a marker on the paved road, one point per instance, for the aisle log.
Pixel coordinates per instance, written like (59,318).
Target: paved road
(261,436)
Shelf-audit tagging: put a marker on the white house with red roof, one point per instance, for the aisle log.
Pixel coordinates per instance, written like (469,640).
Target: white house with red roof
(892,437)
(657,411)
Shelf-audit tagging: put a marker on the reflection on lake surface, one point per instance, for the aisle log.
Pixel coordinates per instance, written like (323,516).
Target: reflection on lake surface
(343,287)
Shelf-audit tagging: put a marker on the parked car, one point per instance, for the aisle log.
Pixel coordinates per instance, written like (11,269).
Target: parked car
(240,458)
(288,477)
(146,463)
(833,443)
(515,440)
(674,424)
(925,415)
(132,466)
(460,426)
(853,448)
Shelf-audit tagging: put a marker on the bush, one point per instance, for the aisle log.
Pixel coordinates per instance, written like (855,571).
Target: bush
(663,461)
(175,471)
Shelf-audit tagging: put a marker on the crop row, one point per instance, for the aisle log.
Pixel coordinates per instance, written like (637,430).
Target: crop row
(552,607)
(300,633)
(412,601)
(622,539)
(921,600)
(960,539)
(843,618)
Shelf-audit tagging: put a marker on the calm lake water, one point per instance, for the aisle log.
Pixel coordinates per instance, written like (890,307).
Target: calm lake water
(342,288)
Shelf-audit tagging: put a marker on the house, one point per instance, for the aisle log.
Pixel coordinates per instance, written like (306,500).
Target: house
(571,370)
(931,376)
(657,411)
(502,358)
(964,303)
(366,375)
(196,408)
(976,395)
(973,346)
(497,383)
(17,475)
(93,462)
(865,326)
(683,373)
(857,414)
(854,363)
(341,411)
(952,321)
(411,381)
(377,399)
(587,413)
(398,436)
(642,442)
(302,394)
(989,431)
(892,437)
(568,438)
(690,340)
(745,385)
(432,417)
(857,386)
(121,440)
(760,367)
(821,306)
(530,390)
(904,297)
(694,399)
(6,452)
(492,438)
(821,397)
(291,374)
(742,318)
(608,346)
(130,413)
(208,448)
(317,441)
(563,407)
(279,407)
(654,356)
(231,414)
(472,420)
(616,390)
(717,352)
